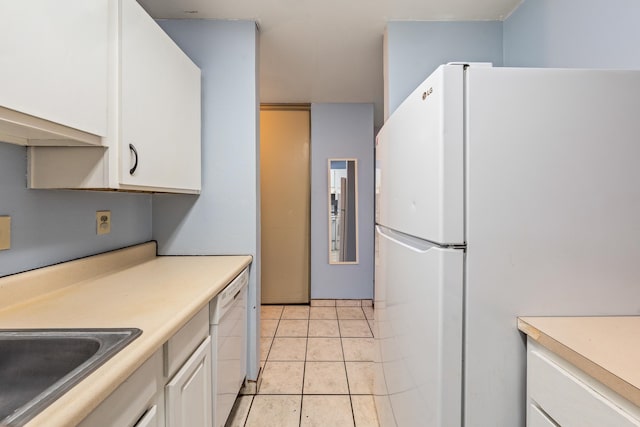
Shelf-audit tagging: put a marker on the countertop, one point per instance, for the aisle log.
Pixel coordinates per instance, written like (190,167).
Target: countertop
(606,348)
(128,288)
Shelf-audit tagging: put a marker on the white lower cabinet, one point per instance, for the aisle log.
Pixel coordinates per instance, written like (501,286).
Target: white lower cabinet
(188,394)
(136,402)
(172,388)
(560,394)
(187,371)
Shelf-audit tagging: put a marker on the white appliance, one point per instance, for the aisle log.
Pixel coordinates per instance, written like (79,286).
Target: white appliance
(228,313)
(500,192)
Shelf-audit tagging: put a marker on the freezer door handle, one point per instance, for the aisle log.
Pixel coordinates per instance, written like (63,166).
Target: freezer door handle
(412,243)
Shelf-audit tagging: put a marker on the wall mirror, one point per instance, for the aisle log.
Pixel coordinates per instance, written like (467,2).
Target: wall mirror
(343,211)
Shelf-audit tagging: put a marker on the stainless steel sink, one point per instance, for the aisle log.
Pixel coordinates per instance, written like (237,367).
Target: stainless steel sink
(38,366)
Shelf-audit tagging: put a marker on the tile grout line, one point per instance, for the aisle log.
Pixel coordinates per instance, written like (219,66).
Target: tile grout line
(350,398)
(273,339)
(350,395)
(368,323)
(346,373)
(304,366)
(246,420)
(244,424)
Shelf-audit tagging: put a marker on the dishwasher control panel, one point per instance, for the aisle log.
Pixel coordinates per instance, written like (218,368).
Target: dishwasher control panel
(228,295)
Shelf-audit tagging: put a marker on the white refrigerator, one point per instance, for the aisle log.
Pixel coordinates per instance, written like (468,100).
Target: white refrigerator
(500,192)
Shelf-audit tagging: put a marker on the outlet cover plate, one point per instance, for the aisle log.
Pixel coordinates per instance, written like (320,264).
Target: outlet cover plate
(5,233)
(103,222)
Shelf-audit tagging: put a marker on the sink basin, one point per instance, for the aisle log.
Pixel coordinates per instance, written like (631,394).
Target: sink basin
(38,366)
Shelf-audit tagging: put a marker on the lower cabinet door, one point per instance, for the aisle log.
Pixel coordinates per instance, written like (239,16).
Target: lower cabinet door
(188,394)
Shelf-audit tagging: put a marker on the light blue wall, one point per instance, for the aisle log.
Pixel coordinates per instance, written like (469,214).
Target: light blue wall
(224,219)
(574,33)
(415,48)
(49,226)
(341,131)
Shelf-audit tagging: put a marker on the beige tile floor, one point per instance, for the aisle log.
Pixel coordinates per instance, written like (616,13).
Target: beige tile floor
(316,367)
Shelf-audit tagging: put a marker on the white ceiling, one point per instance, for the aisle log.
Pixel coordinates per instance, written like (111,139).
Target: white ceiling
(326,50)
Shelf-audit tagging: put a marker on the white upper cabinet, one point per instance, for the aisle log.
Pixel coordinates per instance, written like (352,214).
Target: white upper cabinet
(160,106)
(152,104)
(53,71)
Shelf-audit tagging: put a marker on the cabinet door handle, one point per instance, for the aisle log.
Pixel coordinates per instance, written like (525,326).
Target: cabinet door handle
(135,163)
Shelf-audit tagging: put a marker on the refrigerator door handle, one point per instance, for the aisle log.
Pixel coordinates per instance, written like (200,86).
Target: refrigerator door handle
(409,242)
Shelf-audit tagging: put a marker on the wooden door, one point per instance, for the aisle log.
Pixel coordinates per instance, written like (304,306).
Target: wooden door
(285,204)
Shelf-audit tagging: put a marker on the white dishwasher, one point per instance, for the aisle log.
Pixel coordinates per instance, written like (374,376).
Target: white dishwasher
(228,327)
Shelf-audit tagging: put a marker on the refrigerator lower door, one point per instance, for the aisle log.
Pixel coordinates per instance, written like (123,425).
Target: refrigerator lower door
(418,325)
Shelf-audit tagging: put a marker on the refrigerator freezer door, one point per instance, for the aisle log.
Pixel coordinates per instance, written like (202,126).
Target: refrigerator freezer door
(418,313)
(420,159)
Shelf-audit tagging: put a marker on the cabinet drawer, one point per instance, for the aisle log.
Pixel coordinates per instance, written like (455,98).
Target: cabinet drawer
(150,418)
(566,398)
(537,418)
(185,341)
(133,400)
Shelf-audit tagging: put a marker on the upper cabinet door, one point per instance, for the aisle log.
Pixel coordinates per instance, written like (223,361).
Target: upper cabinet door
(160,107)
(53,68)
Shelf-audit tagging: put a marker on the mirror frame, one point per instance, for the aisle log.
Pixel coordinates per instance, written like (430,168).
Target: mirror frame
(328,210)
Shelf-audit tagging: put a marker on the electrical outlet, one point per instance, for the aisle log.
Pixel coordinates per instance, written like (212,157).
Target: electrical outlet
(5,233)
(103,222)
